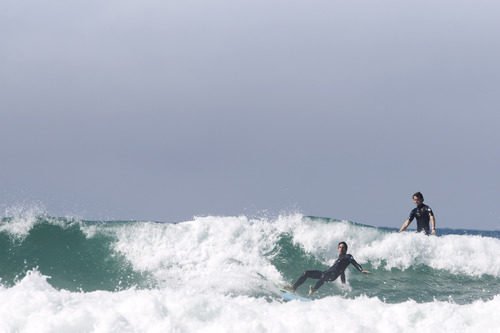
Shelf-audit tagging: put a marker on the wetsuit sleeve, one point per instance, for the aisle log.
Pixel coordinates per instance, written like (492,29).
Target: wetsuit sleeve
(412,215)
(429,211)
(355,264)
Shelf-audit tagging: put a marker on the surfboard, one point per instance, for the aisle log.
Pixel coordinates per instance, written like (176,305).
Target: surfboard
(290,296)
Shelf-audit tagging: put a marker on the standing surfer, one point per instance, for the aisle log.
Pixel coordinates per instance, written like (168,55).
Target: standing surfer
(330,274)
(423,214)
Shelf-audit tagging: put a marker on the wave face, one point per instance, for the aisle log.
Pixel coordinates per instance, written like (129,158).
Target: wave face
(219,273)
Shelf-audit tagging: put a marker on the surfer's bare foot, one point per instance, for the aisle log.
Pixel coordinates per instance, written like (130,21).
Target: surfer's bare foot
(289,287)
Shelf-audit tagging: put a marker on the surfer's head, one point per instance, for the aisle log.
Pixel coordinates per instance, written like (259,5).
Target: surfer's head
(418,198)
(342,248)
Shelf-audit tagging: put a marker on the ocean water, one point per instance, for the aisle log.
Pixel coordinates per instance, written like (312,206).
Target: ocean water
(218,274)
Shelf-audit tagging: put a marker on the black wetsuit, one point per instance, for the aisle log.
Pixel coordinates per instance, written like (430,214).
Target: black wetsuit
(423,214)
(331,273)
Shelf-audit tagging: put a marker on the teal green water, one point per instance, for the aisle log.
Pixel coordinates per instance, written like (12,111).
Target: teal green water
(71,260)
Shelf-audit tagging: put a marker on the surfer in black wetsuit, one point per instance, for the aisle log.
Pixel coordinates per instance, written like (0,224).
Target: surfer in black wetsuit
(423,214)
(331,273)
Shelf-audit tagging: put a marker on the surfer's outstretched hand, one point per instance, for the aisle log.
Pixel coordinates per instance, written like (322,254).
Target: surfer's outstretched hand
(365,271)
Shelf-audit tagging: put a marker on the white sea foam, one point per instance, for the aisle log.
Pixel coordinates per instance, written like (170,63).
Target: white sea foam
(23,218)
(234,247)
(34,306)
(458,254)
(206,253)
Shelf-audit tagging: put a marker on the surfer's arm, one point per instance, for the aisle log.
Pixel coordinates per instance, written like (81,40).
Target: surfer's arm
(408,221)
(355,264)
(433,223)
(358,266)
(405,225)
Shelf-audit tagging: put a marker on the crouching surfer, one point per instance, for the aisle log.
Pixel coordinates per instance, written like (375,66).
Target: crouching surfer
(330,274)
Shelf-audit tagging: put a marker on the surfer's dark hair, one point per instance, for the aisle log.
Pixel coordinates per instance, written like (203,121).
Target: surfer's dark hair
(418,195)
(345,244)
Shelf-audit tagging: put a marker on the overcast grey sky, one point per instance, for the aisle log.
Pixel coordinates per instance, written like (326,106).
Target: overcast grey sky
(162,110)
